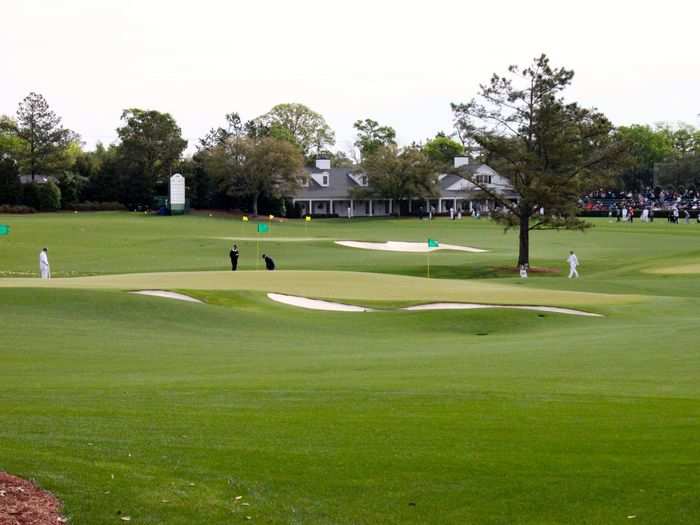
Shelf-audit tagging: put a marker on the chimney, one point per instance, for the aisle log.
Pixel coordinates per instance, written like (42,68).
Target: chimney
(323,164)
(461,161)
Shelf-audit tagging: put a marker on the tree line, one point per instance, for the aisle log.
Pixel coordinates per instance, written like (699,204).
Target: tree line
(550,149)
(254,163)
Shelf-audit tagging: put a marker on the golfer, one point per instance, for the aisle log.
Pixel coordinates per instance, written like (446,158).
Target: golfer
(233,254)
(573,263)
(269,263)
(44,267)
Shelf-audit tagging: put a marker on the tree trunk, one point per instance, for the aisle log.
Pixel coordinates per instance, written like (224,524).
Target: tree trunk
(255,204)
(524,251)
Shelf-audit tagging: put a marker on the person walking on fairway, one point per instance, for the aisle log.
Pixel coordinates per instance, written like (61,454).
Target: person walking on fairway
(233,254)
(269,263)
(573,263)
(44,267)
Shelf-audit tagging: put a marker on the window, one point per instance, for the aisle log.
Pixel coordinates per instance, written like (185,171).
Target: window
(483,179)
(364,180)
(325,180)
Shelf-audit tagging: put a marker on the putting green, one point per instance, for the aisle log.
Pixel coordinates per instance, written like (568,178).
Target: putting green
(354,286)
(273,239)
(682,269)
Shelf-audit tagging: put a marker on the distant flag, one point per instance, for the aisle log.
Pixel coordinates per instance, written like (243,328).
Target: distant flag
(308,218)
(245,218)
(432,243)
(263,228)
(271,217)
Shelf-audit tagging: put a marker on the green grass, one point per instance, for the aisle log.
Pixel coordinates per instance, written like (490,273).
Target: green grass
(166,411)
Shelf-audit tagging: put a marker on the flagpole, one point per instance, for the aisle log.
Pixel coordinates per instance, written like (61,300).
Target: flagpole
(428,263)
(257,252)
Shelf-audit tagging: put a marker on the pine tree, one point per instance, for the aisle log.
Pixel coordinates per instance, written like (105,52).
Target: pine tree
(44,135)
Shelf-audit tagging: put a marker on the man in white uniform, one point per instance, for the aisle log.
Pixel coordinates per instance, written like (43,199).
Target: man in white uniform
(44,267)
(573,263)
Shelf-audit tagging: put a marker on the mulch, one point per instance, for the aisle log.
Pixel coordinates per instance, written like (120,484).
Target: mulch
(23,503)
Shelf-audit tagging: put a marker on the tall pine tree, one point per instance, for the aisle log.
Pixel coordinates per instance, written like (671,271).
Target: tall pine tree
(46,139)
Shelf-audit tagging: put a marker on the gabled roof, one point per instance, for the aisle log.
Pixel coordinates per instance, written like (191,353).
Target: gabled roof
(340,183)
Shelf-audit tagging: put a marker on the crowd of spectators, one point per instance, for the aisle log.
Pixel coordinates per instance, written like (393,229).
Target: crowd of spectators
(652,199)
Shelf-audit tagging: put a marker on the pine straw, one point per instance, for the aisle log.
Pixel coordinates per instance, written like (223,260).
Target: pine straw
(23,503)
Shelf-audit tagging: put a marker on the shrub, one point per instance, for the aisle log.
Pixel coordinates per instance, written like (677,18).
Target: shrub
(49,196)
(10,186)
(96,206)
(16,208)
(42,196)
(71,186)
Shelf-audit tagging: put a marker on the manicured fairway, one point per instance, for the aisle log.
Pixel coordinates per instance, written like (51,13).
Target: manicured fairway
(165,411)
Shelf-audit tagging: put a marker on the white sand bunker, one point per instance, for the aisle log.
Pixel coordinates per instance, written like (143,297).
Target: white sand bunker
(407,247)
(167,295)
(315,304)
(472,306)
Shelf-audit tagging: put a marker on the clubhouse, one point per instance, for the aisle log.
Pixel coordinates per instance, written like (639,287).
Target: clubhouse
(328,191)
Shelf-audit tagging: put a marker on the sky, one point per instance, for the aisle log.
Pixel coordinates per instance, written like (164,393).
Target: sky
(398,62)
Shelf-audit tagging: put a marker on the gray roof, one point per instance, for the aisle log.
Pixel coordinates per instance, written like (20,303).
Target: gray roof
(340,184)
(41,179)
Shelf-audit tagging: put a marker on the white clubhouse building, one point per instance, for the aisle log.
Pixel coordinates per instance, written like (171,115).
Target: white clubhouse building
(328,191)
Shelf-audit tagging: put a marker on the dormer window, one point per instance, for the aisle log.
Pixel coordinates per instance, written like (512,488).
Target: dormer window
(359,178)
(483,179)
(322,179)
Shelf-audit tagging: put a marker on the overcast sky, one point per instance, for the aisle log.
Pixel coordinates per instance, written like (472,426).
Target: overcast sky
(398,62)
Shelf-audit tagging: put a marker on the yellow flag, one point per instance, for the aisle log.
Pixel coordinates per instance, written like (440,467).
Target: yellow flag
(308,218)
(271,217)
(245,218)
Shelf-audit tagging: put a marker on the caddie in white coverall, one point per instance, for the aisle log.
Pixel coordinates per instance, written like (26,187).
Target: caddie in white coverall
(44,267)
(573,263)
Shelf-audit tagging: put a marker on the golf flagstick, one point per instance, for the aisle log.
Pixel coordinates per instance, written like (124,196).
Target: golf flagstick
(432,243)
(257,252)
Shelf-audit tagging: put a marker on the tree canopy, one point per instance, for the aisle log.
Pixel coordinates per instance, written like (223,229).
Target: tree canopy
(442,149)
(151,144)
(550,150)
(43,137)
(399,174)
(254,167)
(371,136)
(296,122)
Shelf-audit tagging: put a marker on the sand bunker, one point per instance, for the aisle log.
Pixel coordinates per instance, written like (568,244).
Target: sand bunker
(407,247)
(472,306)
(315,304)
(167,295)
